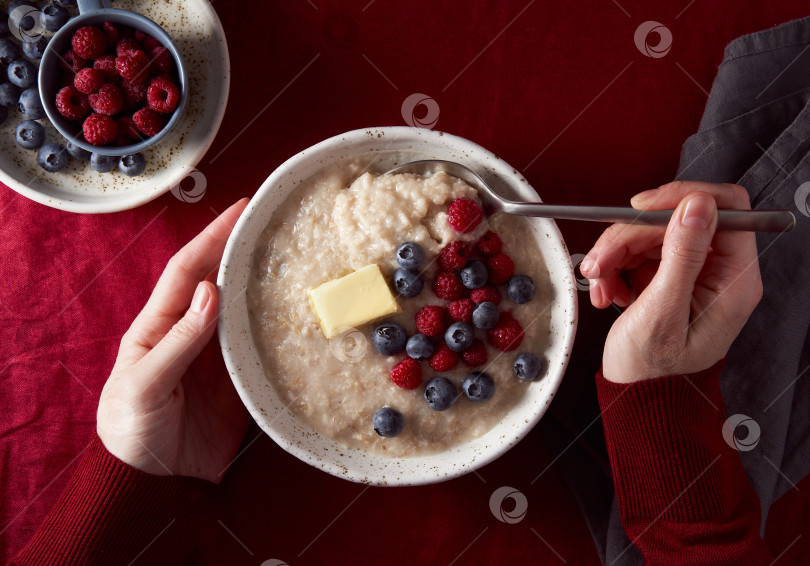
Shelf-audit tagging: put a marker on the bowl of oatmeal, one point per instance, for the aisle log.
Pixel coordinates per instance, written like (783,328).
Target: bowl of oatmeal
(315,317)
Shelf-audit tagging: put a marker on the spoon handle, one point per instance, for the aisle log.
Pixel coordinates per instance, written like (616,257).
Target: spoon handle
(747,220)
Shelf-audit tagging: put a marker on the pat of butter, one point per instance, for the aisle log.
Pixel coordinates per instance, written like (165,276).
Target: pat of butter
(352,301)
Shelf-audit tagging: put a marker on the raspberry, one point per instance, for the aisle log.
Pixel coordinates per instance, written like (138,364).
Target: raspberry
(99,129)
(148,121)
(163,95)
(125,45)
(476,354)
(127,132)
(501,268)
(88,80)
(507,334)
(72,104)
(461,310)
(71,62)
(133,93)
(150,44)
(486,293)
(140,35)
(109,100)
(113,35)
(448,286)
(89,42)
(464,215)
(443,359)
(133,66)
(162,61)
(106,65)
(431,320)
(454,256)
(489,244)
(407,374)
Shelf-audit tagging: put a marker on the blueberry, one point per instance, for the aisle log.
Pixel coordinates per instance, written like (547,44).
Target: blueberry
(30,134)
(474,275)
(22,14)
(419,347)
(388,422)
(440,393)
(521,289)
(527,367)
(8,51)
(34,49)
(53,17)
(478,386)
(408,283)
(410,255)
(459,336)
(9,94)
(132,165)
(389,338)
(22,73)
(485,315)
(30,105)
(52,157)
(76,152)
(103,163)
(3,115)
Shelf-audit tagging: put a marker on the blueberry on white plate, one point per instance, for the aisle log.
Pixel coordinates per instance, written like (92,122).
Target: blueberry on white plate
(22,73)
(29,134)
(132,165)
(52,157)
(103,163)
(30,105)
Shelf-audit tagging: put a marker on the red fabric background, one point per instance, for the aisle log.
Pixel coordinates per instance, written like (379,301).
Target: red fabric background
(552,84)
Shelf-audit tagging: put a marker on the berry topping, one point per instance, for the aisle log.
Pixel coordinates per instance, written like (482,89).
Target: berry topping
(507,334)
(108,100)
(103,163)
(443,359)
(89,80)
(464,215)
(29,134)
(99,129)
(388,422)
(163,95)
(410,255)
(127,44)
(132,165)
(461,310)
(448,286)
(162,61)
(454,256)
(408,283)
(501,268)
(150,44)
(133,66)
(431,320)
(389,338)
(459,336)
(53,17)
(440,393)
(478,386)
(52,157)
(489,244)
(474,275)
(106,65)
(407,374)
(527,367)
(22,73)
(486,293)
(133,93)
(521,289)
(72,104)
(419,347)
(476,354)
(148,121)
(89,42)
(486,315)
(30,104)
(113,35)
(71,62)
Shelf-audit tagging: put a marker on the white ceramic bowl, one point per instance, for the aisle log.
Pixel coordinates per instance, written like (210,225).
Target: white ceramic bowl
(245,367)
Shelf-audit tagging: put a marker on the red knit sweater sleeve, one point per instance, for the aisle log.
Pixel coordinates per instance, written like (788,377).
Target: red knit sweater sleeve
(682,492)
(110,513)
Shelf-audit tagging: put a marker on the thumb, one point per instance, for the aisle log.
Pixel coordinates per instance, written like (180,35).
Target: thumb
(686,244)
(164,365)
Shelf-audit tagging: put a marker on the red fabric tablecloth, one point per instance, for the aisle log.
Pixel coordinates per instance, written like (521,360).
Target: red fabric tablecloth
(558,90)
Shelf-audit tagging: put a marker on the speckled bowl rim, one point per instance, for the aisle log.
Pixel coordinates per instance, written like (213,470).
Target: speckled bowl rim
(134,198)
(261,398)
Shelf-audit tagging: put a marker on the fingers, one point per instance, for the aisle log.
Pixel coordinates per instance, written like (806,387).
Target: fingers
(160,370)
(669,195)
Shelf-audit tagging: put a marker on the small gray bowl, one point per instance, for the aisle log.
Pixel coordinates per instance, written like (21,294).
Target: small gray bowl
(95,13)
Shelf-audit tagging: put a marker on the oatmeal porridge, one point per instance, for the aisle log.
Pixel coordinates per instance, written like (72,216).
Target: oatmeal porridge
(343,221)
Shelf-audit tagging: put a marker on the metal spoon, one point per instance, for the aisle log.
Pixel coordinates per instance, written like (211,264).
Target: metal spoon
(748,220)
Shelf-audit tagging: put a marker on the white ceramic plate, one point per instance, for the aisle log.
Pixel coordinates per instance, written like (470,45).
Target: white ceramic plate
(242,359)
(198,34)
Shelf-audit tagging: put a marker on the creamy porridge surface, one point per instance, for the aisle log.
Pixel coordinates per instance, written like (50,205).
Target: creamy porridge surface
(331,226)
